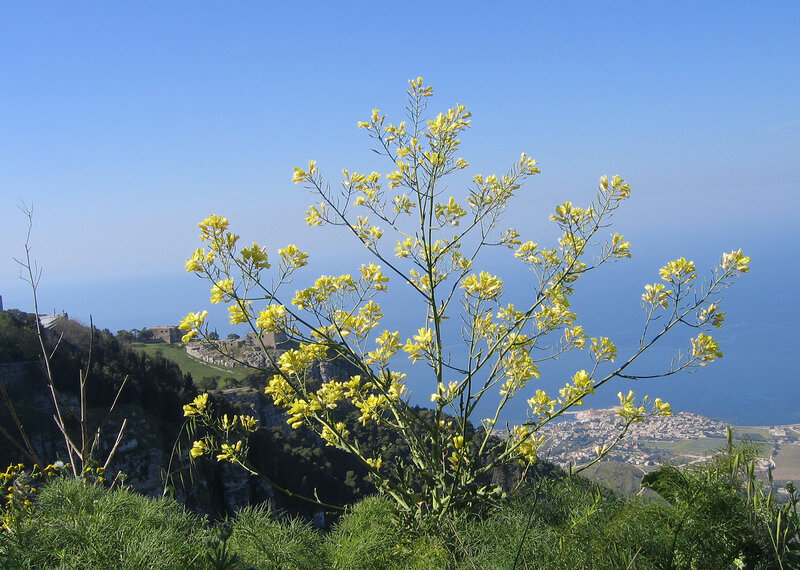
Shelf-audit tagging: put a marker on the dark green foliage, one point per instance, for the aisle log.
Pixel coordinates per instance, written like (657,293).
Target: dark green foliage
(18,342)
(81,526)
(268,542)
(370,537)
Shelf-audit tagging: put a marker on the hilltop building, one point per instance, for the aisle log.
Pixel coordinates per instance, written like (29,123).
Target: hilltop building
(169,334)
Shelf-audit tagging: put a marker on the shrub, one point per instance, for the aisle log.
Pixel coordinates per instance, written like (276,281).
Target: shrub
(75,525)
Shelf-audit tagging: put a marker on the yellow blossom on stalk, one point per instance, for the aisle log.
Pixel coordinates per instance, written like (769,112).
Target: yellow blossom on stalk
(458,441)
(222,290)
(301,175)
(575,336)
(280,390)
(195,263)
(335,435)
(192,323)
(519,369)
(655,294)
(620,247)
(397,387)
(314,215)
(239,312)
(255,255)
(628,408)
(528,443)
(527,252)
(541,404)
(372,275)
(370,407)
(420,345)
(618,189)
(736,260)
(272,318)
(678,271)
(445,393)
(711,315)
(229,452)
(662,408)
(227,423)
(483,285)
(296,360)
(198,449)
(292,258)
(604,349)
(705,349)
(583,381)
(388,344)
(196,406)
(249,423)
(571,394)
(213,226)
(374,463)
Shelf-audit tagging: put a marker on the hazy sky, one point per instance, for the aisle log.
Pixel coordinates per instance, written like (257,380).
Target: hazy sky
(124,124)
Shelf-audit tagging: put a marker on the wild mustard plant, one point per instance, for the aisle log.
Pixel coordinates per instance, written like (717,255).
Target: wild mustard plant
(20,485)
(421,238)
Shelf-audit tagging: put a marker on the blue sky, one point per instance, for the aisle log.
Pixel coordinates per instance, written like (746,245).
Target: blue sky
(124,125)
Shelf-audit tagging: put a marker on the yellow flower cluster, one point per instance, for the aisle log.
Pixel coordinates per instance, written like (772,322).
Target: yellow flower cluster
(449,214)
(388,345)
(197,406)
(604,350)
(517,365)
(247,423)
(373,277)
(445,394)
(192,323)
(295,360)
(568,215)
(631,412)
(484,285)
(335,435)
(301,175)
(230,452)
(528,444)
(711,315)
(421,344)
(655,294)
(617,190)
(222,291)
(272,319)
(628,408)
(736,260)
(679,271)
(542,405)
(240,312)
(255,257)
(705,349)
(316,214)
(292,258)
(323,289)
(199,448)
(199,259)
(368,234)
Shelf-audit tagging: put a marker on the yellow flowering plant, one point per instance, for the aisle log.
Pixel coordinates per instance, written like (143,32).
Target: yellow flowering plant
(423,239)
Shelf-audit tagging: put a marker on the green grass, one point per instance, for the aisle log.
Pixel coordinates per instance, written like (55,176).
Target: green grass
(83,526)
(189,365)
(788,463)
(752,432)
(555,524)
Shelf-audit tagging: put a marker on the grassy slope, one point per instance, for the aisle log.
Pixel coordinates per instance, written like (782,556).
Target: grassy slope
(189,365)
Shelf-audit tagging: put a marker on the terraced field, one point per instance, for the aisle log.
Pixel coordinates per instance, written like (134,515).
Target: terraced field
(189,365)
